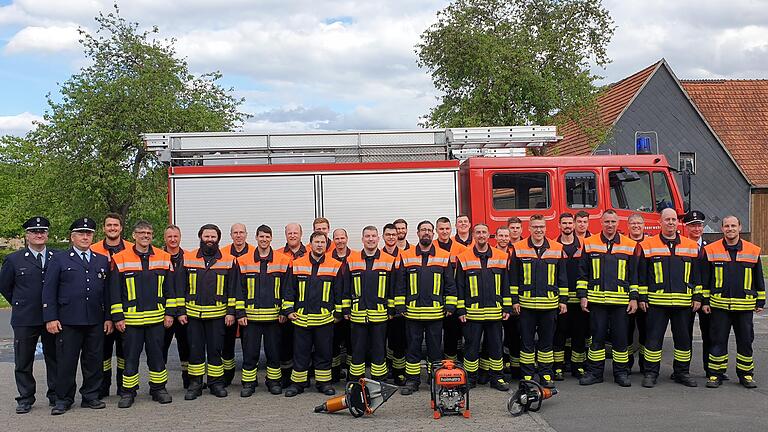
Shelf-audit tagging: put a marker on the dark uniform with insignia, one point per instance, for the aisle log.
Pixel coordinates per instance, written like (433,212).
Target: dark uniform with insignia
(695,216)
(21,283)
(75,293)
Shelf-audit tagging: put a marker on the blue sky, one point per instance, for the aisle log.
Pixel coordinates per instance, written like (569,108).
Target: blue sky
(346,64)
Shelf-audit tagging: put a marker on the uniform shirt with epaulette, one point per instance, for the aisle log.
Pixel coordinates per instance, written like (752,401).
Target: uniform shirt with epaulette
(21,283)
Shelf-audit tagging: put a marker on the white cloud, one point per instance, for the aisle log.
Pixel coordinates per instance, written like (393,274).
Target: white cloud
(43,39)
(18,124)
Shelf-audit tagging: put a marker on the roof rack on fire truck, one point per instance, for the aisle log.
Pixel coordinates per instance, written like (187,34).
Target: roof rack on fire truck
(241,148)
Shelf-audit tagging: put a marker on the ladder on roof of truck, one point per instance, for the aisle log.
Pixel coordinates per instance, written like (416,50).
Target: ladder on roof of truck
(241,148)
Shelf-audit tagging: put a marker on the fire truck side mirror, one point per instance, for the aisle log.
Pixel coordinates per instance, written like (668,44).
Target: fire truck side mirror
(686,183)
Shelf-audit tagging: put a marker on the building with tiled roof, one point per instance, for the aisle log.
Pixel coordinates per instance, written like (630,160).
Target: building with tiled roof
(653,104)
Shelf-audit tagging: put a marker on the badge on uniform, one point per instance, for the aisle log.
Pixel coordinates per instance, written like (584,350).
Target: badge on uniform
(102,274)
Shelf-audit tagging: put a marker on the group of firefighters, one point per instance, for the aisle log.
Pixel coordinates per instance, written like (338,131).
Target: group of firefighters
(535,305)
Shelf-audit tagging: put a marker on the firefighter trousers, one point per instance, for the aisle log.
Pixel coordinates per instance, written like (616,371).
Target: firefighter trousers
(112,344)
(603,318)
(396,343)
(341,344)
(512,341)
(178,331)
(574,325)
(416,331)
(24,345)
(251,337)
(86,344)
(286,351)
(206,341)
(228,351)
(706,342)
(637,321)
(535,322)
(368,344)
(657,320)
(489,335)
(452,333)
(721,322)
(313,344)
(151,339)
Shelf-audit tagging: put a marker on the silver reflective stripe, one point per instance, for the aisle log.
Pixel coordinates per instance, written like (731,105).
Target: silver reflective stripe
(128,266)
(718,257)
(472,263)
(625,249)
(438,260)
(748,257)
(497,262)
(687,251)
(656,251)
(302,269)
(276,267)
(595,248)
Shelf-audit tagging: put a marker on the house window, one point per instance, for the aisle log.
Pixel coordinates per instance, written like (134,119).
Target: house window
(687,160)
(518,191)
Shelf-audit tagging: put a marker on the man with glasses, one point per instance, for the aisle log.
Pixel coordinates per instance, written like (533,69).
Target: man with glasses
(637,320)
(396,324)
(21,283)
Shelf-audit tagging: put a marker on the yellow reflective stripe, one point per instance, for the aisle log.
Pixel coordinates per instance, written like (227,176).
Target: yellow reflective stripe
(277,288)
(658,271)
(326,291)
(251,288)
(382,286)
(497,280)
(526,273)
(687,272)
(550,274)
(160,280)
(302,287)
(131,287)
(595,268)
(718,277)
(414,279)
(356,284)
(622,270)
(436,285)
(220,285)
(747,279)
(473,286)
(193,283)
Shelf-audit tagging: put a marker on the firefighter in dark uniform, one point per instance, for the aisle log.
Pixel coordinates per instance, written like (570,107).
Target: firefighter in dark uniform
(295,249)
(607,289)
(371,294)
(342,357)
(143,305)
(637,321)
(113,243)
(262,276)
(735,290)
(484,300)
(313,299)
(669,283)
(172,238)
(21,283)
(539,282)
(425,293)
(694,228)
(239,247)
(451,326)
(207,281)
(76,311)
(396,324)
(574,325)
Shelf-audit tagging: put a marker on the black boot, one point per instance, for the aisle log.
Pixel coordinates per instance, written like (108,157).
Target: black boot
(217,389)
(326,389)
(483,377)
(126,400)
(248,390)
(685,379)
(274,387)
(649,380)
(162,396)
(195,388)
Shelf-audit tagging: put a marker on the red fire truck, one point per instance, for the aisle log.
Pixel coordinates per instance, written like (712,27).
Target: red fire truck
(373,177)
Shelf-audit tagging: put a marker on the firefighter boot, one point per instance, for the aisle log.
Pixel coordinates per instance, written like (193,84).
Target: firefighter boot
(162,396)
(195,388)
(248,390)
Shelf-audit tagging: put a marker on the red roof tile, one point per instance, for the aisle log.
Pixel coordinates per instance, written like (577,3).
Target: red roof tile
(737,110)
(611,103)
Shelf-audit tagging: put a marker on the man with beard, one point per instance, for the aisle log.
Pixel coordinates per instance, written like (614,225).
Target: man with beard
(574,324)
(143,305)
(113,243)
(262,276)
(207,282)
(314,298)
(425,294)
(21,283)
(484,300)
(172,240)
(396,324)
(341,335)
(239,247)
(402,233)
(372,298)
(451,327)
(295,249)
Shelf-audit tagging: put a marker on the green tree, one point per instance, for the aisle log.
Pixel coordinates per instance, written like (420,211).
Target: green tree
(87,156)
(510,62)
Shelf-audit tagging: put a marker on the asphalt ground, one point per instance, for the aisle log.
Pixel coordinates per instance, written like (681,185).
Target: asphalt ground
(605,406)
